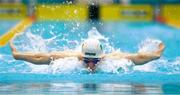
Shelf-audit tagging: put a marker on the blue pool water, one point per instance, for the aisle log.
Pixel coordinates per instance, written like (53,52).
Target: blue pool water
(6,25)
(67,76)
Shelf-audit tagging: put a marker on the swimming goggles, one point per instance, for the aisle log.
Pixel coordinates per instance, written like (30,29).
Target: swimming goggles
(93,60)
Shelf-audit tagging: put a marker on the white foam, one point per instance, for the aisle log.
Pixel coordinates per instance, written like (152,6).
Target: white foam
(149,45)
(38,68)
(161,66)
(145,68)
(66,65)
(73,65)
(177,61)
(62,65)
(37,42)
(116,66)
(31,42)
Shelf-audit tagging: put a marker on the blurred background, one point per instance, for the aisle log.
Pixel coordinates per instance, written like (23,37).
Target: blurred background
(164,11)
(125,25)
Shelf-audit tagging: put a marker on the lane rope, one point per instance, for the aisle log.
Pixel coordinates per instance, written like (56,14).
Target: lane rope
(19,28)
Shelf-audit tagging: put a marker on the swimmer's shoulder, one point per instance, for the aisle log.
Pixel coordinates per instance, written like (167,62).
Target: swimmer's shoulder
(114,55)
(63,54)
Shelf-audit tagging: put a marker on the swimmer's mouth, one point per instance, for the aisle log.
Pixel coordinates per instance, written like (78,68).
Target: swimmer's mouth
(91,63)
(90,70)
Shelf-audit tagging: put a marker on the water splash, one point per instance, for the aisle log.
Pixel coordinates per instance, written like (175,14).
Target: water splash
(34,42)
(149,45)
(30,42)
(71,65)
(37,42)
(116,66)
(66,65)
(161,66)
(94,34)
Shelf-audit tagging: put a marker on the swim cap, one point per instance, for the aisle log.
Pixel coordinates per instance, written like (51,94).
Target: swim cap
(92,48)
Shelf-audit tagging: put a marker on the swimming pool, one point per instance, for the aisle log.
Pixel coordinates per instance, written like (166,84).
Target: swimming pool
(161,76)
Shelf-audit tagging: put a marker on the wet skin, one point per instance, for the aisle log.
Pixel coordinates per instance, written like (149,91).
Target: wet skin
(91,63)
(91,66)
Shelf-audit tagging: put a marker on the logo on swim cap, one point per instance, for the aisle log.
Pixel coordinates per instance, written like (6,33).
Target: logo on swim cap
(92,48)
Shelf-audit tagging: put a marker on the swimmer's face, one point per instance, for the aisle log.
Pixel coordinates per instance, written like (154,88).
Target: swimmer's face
(91,63)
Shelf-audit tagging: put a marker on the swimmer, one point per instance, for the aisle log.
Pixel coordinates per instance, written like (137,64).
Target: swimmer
(91,55)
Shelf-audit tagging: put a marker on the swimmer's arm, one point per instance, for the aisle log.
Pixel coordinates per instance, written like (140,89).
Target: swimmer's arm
(144,57)
(138,58)
(35,58)
(63,54)
(41,58)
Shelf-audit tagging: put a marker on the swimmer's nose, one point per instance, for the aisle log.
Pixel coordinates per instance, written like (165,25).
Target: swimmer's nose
(91,66)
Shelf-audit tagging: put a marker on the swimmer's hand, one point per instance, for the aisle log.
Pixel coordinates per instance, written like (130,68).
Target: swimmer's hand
(155,53)
(161,49)
(139,58)
(145,57)
(12,47)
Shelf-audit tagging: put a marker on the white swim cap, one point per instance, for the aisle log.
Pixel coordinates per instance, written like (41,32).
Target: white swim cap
(92,48)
